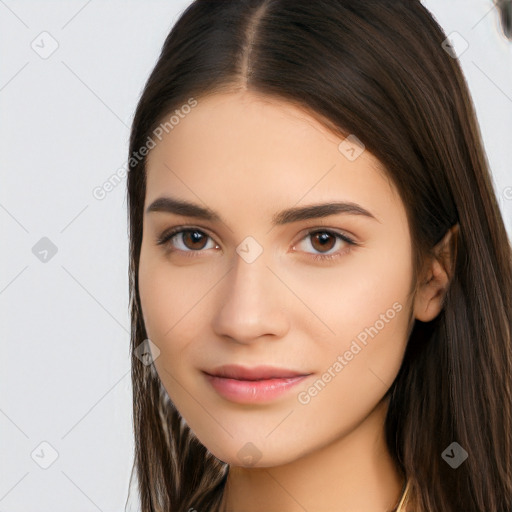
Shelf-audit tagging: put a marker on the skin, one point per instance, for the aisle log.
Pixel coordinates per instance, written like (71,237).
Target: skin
(247,157)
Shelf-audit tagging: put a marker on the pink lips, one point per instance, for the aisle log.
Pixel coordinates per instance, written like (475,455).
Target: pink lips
(251,385)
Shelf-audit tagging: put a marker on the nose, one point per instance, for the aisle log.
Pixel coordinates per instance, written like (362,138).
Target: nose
(251,303)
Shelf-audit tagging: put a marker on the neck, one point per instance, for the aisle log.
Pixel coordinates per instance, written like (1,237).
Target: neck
(353,473)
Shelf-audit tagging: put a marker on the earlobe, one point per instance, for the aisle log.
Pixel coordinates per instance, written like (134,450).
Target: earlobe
(431,291)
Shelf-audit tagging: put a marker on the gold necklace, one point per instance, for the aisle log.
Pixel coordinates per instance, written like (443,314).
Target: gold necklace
(404,499)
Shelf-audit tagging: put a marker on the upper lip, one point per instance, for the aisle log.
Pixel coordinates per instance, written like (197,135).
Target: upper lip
(232,371)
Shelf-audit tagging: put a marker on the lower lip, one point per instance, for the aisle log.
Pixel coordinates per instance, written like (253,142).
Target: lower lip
(253,391)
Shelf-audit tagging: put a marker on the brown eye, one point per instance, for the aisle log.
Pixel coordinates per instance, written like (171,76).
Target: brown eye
(185,240)
(193,239)
(322,241)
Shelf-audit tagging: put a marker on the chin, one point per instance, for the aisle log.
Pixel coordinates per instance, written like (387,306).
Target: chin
(251,454)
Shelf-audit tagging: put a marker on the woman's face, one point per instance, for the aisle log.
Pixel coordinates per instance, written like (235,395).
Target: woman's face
(246,285)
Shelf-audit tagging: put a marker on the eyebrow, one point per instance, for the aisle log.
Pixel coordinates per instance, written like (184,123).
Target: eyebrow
(295,214)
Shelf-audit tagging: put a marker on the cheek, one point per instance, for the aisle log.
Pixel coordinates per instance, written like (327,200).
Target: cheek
(160,302)
(172,299)
(364,308)
(351,296)
(358,364)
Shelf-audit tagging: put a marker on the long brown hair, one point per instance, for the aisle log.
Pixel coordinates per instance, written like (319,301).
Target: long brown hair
(376,69)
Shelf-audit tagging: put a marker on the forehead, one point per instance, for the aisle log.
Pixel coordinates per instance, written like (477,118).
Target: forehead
(247,149)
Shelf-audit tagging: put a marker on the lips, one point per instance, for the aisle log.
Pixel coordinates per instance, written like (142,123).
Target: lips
(254,373)
(253,385)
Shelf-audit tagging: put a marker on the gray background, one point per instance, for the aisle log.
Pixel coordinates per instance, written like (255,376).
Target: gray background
(64,128)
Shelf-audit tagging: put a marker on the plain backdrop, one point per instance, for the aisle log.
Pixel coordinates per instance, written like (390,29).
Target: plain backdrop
(71,74)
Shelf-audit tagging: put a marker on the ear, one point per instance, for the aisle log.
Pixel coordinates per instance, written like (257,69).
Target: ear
(435,280)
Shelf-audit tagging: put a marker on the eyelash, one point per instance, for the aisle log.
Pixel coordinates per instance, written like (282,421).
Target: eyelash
(167,236)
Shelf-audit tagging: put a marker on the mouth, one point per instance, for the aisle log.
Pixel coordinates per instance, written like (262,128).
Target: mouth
(253,385)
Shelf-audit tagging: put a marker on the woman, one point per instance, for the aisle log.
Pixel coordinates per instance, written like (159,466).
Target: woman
(320,276)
